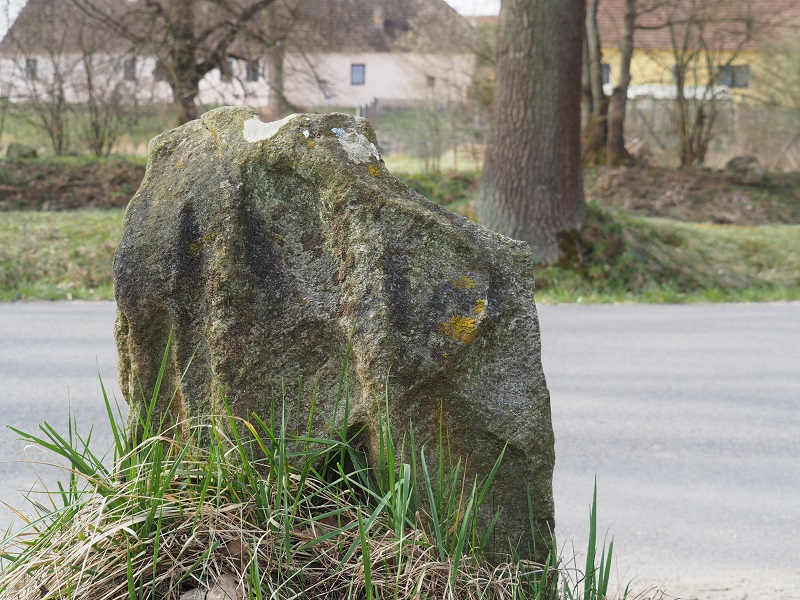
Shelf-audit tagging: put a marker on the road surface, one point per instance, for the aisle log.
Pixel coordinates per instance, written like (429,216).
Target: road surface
(689,417)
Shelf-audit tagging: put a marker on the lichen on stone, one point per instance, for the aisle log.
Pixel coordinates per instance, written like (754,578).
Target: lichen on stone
(460,327)
(267,260)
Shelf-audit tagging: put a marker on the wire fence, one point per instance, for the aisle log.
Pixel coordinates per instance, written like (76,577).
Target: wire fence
(446,134)
(439,132)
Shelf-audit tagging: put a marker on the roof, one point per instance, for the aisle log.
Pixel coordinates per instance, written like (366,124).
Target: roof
(380,26)
(309,25)
(726,24)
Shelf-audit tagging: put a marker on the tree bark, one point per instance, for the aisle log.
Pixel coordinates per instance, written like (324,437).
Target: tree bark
(616,153)
(532,187)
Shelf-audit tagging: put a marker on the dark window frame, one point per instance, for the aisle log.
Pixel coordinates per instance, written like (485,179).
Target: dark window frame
(253,71)
(358,74)
(226,71)
(31,69)
(605,73)
(734,76)
(129,68)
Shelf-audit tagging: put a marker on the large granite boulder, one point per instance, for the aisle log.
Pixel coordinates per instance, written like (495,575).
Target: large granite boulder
(264,246)
(17,151)
(746,170)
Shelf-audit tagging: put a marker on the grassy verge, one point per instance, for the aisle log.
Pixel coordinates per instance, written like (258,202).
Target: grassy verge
(58,255)
(240,504)
(618,258)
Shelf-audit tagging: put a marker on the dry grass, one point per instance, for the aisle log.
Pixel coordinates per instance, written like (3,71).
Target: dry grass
(235,502)
(95,552)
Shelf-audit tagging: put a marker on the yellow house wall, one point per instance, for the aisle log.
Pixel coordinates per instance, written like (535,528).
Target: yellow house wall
(654,67)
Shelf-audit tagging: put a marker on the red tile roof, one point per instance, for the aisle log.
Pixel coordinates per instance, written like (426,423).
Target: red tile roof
(725,23)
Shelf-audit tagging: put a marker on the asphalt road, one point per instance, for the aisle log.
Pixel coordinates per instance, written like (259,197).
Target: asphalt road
(689,417)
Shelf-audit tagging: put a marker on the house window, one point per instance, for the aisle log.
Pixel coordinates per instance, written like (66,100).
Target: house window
(735,76)
(226,71)
(253,71)
(129,69)
(605,73)
(31,69)
(430,81)
(358,74)
(159,72)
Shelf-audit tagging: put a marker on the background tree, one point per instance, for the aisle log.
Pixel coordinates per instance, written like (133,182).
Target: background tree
(108,108)
(190,37)
(595,129)
(71,90)
(44,85)
(707,38)
(531,187)
(616,153)
(604,131)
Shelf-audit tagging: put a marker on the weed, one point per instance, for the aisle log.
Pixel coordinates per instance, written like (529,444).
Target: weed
(279,516)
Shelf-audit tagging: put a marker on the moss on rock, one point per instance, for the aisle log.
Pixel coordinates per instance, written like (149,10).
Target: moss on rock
(264,246)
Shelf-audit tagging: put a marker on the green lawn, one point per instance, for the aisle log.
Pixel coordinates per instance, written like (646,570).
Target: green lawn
(68,255)
(58,255)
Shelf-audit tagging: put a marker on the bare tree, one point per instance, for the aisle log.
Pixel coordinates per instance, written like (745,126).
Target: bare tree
(531,187)
(707,38)
(616,153)
(71,89)
(604,132)
(190,37)
(595,130)
(109,108)
(779,72)
(42,94)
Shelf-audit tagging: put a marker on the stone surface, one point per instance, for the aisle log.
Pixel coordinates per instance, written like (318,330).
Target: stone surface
(264,247)
(746,170)
(227,587)
(16,151)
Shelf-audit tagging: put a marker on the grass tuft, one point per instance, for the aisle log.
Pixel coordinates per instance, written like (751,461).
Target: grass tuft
(240,504)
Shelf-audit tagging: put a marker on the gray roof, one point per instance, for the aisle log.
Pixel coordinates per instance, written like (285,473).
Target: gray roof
(309,25)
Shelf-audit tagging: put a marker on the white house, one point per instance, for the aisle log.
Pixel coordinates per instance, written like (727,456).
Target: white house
(330,53)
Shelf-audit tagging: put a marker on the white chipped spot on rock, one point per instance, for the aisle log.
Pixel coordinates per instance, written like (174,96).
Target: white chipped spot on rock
(375,152)
(255,130)
(359,149)
(306,133)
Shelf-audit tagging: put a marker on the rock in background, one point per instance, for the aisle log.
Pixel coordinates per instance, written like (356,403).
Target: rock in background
(264,246)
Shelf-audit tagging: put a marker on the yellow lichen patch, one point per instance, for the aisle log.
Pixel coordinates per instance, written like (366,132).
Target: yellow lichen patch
(197,247)
(374,171)
(460,328)
(213,133)
(181,166)
(310,144)
(463,283)
(480,306)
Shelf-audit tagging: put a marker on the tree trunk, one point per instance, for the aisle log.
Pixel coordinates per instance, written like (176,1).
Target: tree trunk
(277,99)
(595,132)
(185,82)
(615,151)
(531,187)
